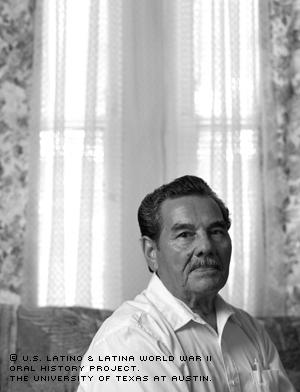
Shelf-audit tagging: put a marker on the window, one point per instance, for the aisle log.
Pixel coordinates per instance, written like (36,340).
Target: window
(226,74)
(65,142)
(162,89)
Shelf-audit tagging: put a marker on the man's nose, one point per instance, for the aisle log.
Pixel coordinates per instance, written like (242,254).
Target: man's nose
(203,244)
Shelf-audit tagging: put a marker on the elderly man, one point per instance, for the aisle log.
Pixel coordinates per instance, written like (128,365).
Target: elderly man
(179,334)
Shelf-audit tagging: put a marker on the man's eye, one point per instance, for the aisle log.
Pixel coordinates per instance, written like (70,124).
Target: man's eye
(218,232)
(185,234)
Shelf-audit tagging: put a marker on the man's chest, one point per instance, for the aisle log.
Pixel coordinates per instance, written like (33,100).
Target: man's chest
(220,364)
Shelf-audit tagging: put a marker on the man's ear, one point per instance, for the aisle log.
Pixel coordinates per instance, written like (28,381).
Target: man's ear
(149,247)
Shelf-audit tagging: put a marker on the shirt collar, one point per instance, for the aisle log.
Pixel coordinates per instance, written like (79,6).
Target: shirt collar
(224,312)
(177,312)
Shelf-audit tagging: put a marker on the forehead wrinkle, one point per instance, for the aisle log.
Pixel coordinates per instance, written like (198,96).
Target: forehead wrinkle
(190,226)
(173,212)
(182,225)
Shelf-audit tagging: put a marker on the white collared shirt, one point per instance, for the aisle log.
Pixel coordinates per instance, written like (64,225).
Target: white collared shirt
(157,343)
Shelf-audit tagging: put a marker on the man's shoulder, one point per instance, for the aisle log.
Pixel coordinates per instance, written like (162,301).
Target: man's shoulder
(247,321)
(130,314)
(138,316)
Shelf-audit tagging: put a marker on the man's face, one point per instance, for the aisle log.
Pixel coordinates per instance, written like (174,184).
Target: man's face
(194,247)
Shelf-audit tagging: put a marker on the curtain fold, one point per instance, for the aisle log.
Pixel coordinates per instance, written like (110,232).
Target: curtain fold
(30,271)
(88,169)
(143,126)
(273,178)
(56,285)
(292,246)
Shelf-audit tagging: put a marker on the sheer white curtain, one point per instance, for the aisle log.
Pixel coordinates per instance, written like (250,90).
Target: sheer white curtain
(76,186)
(219,130)
(127,95)
(227,109)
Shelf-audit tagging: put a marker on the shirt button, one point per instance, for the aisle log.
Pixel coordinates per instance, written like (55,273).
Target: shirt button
(234,383)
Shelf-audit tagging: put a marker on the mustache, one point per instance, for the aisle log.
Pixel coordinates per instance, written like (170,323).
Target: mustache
(204,262)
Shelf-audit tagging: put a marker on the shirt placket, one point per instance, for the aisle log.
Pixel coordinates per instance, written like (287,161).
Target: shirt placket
(231,370)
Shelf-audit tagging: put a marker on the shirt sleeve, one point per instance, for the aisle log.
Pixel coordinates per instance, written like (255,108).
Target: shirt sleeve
(274,363)
(130,359)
